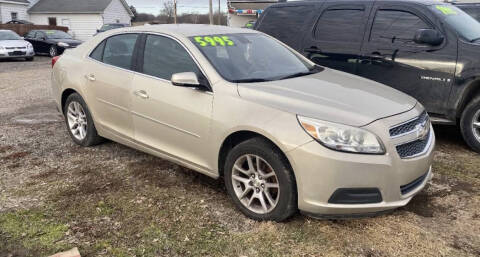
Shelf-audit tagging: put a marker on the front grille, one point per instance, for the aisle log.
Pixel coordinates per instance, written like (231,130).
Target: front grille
(414,148)
(15,48)
(405,189)
(408,126)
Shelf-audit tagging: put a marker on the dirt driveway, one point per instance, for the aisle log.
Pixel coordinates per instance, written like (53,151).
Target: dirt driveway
(114,201)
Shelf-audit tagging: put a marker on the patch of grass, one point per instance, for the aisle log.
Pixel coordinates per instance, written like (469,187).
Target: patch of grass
(33,230)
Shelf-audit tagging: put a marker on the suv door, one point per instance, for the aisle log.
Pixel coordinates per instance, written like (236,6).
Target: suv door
(171,119)
(336,38)
(390,56)
(109,78)
(39,44)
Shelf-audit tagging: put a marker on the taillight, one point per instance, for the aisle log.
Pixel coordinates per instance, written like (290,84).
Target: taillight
(54,60)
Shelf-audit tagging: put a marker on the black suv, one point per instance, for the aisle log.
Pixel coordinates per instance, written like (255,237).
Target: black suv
(427,49)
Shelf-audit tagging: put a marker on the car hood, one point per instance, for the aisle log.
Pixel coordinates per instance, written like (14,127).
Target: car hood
(14,43)
(330,96)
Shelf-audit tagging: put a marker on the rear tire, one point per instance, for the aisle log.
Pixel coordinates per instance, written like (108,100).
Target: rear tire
(470,124)
(257,169)
(79,122)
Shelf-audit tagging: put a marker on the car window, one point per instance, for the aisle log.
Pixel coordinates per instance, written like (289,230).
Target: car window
(164,57)
(393,26)
(340,25)
(285,23)
(119,50)
(97,54)
(472,11)
(39,35)
(30,34)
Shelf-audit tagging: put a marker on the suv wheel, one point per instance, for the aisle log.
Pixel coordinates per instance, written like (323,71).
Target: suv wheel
(260,182)
(470,124)
(79,122)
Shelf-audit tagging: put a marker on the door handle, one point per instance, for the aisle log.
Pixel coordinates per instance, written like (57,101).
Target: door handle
(90,77)
(141,93)
(312,49)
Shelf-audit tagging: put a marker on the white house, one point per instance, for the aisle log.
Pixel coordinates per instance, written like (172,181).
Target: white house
(82,17)
(13,10)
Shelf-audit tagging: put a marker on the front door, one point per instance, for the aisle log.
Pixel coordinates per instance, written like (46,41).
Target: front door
(109,78)
(337,36)
(390,56)
(171,119)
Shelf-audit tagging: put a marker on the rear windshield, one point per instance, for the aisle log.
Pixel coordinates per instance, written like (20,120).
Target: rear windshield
(466,26)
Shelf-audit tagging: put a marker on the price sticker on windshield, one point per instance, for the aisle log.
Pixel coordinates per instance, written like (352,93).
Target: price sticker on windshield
(204,41)
(446,10)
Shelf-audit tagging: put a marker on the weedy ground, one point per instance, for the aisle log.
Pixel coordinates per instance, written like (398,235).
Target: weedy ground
(110,200)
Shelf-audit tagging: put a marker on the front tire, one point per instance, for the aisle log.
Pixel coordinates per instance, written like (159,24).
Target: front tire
(470,124)
(53,51)
(79,122)
(260,181)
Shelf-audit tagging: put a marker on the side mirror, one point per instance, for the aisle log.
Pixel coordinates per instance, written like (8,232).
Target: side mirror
(186,79)
(428,36)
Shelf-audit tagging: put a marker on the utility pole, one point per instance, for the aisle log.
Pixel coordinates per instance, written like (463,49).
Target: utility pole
(211,12)
(219,13)
(175,11)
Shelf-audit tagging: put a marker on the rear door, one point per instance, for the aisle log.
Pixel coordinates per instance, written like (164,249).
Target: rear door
(109,76)
(336,37)
(390,55)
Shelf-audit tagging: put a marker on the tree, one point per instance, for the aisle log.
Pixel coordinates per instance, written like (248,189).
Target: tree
(134,11)
(168,11)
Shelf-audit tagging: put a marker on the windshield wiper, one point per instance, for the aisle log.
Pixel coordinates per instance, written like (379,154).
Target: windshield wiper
(475,39)
(250,80)
(312,70)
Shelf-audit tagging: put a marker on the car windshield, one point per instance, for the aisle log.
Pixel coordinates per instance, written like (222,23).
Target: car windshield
(251,57)
(112,26)
(473,11)
(9,35)
(466,26)
(57,34)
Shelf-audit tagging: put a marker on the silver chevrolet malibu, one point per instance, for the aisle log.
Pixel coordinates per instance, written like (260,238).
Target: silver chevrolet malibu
(284,133)
(12,46)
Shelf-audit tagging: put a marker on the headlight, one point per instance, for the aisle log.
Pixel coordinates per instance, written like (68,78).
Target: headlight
(62,44)
(29,46)
(341,137)
(2,48)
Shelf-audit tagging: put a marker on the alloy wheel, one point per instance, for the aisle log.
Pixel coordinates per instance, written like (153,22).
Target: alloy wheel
(476,125)
(53,51)
(255,183)
(77,120)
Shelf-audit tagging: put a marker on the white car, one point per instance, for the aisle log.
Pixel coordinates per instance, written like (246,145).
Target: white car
(13,46)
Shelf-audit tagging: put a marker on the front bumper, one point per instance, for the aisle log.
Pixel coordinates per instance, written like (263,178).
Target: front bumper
(320,172)
(10,54)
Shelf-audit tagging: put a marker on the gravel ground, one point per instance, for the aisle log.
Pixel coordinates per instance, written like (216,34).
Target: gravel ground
(110,200)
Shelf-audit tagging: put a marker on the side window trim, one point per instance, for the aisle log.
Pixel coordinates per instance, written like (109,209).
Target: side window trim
(88,55)
(142,54)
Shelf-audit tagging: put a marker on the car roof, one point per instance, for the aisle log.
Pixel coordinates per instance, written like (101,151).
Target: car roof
(187,30)
(422,2)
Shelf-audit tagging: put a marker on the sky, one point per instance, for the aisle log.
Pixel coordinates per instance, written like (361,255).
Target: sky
(155,6)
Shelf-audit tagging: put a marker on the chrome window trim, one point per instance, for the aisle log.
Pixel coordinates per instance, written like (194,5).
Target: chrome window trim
(143,74)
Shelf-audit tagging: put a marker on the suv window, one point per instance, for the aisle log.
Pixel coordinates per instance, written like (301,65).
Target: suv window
(285,23)
(340,25)
(97,54)
(392,26)
(30,34)
(39,35)
(164,57)
(119,50)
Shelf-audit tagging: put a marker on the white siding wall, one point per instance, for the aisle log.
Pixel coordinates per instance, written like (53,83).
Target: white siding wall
(6,10)
(82,26)
(116,12)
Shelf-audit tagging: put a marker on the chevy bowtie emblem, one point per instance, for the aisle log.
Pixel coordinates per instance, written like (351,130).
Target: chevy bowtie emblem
(422,130)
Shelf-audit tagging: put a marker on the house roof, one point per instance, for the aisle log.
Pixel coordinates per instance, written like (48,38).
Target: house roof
(15,1)
(73,6)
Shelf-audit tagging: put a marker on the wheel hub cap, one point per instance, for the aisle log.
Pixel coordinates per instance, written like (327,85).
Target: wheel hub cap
(255,184)
(77,120)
